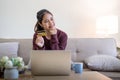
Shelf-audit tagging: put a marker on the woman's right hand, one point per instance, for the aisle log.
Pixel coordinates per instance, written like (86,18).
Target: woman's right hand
(39,41)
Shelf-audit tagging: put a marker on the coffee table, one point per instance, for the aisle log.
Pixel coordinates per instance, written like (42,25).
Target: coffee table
(86,75)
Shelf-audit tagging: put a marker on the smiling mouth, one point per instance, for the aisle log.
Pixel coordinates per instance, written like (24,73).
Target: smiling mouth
(50,26)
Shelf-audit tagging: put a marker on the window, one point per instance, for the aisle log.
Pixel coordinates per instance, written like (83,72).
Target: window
(107,25)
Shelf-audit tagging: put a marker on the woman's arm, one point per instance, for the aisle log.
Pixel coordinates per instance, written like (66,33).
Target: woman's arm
(58,42)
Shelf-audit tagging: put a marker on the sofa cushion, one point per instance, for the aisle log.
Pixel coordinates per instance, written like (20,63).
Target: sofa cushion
(103,63)
(9,49)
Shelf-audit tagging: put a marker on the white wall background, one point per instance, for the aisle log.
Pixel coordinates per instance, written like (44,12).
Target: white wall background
(76,17)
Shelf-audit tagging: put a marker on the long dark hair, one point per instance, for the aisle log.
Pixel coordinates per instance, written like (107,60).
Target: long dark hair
(39,16)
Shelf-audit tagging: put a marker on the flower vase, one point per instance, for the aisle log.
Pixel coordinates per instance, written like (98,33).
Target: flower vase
(11,73)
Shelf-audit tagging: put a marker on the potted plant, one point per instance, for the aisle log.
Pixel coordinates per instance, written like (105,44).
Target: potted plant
(7,64)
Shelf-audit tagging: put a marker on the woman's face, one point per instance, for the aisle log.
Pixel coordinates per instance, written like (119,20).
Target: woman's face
(48,22)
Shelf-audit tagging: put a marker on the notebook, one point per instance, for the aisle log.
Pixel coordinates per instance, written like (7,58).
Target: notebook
(50,62)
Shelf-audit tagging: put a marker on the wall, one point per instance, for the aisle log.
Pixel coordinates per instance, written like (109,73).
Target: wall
(76,17)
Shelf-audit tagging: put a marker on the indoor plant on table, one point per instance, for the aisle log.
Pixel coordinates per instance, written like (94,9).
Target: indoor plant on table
(7,64)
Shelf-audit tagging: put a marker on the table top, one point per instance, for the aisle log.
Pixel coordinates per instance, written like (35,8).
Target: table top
(86,75)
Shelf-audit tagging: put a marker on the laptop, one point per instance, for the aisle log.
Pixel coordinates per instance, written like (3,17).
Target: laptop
(50,62)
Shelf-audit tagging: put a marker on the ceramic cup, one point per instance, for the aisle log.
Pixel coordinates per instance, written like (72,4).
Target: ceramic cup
(78,67)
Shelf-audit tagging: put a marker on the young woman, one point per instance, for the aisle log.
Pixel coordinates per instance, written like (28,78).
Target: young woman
(54,39)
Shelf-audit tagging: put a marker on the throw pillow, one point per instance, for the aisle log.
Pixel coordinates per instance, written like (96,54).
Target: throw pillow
(103,63)
(9,49)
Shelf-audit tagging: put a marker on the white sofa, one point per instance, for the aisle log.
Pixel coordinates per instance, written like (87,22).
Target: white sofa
(81,48)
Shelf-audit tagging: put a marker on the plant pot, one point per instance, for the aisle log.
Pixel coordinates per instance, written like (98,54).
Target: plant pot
(11,73)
